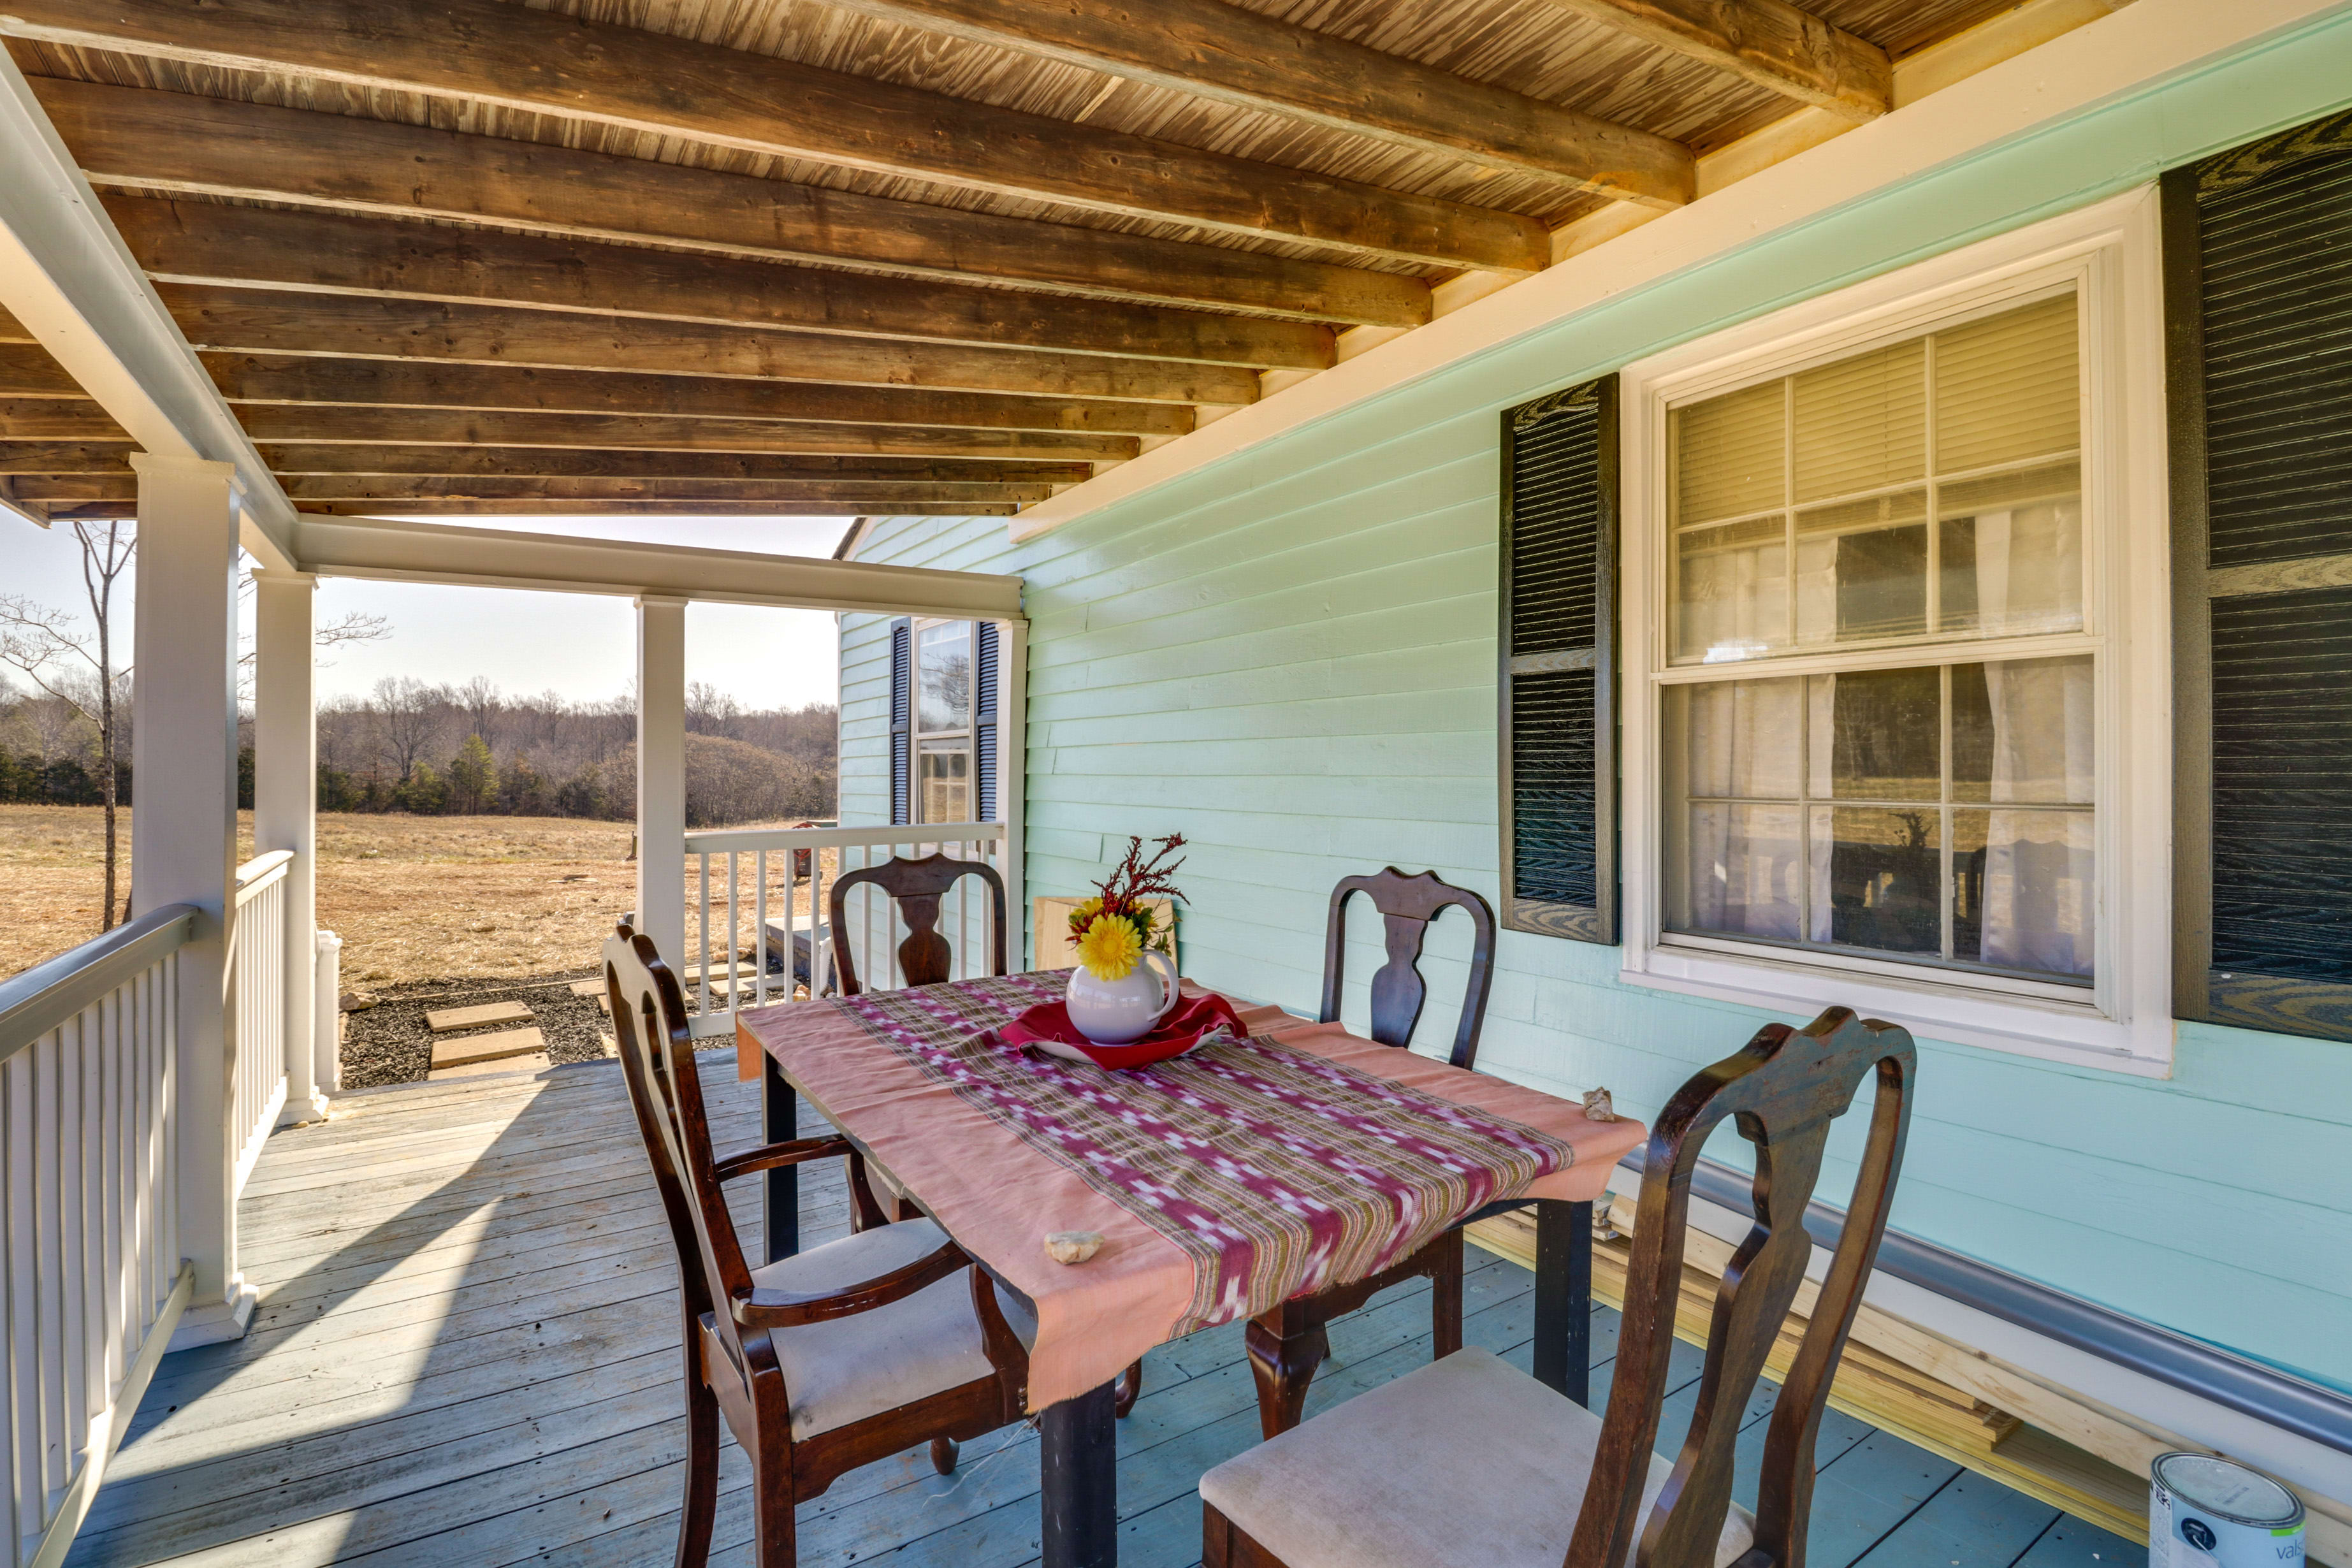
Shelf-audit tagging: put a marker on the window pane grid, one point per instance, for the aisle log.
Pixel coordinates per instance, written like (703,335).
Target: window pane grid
(1794,847)
(1725,571)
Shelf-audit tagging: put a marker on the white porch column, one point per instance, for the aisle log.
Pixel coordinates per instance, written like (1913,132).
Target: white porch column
(183,838)
(285,811)
(661,775)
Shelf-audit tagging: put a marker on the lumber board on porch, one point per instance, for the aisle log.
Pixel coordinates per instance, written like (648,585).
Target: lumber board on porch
(214,316)
(305,379)
(656,433)
(543,63)
(466,1352)
(214,243)
(454,462)
(145,140)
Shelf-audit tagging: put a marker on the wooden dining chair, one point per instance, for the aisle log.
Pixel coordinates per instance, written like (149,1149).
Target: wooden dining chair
(915,889)
(821,1362)
(925,958)
(1468,1463)
(1287,1342)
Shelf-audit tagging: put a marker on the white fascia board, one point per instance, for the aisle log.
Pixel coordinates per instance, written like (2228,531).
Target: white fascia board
(390,550)
(66,274)
(2146,42)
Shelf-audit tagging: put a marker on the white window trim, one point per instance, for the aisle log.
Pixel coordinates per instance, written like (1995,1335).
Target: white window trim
(2124,1021)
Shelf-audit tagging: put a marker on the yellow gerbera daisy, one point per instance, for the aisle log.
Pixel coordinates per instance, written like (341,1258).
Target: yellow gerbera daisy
(1084,915)
(1110,948)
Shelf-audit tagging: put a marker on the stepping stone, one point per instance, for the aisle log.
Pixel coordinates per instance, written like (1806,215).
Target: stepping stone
(536,1062)
(588,988)
(450,1019)
(487,1047)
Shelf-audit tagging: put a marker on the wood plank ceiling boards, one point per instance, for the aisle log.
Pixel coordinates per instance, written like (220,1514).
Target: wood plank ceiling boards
(476,256)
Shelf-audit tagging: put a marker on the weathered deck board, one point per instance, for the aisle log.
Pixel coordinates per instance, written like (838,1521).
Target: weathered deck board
(465,1351)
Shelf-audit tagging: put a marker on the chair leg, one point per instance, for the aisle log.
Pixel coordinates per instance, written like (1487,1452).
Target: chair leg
(775,1543)
(700,1503)
(1445,1297)
(1131,1383)
(1284,1363)
(943,1454)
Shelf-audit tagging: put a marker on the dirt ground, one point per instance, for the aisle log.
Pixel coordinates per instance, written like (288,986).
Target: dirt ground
(413,897)
(430,909)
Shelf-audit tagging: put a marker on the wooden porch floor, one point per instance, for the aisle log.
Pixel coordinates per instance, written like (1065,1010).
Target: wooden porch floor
(465,1353)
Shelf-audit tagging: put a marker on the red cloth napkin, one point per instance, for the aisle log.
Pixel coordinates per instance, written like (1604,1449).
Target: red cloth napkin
(1175,1034)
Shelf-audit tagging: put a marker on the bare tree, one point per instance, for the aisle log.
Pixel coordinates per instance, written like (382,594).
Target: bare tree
(404,709)
(480,700)
(711,711)
(45,643)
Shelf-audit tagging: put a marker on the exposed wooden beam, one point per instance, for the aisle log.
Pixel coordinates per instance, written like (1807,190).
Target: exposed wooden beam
(28,370)
(496,508)
(540,62)
(299,379)
(57,419)
(62,458)
(1215,50)
(873,494)
(12,331)
(1770,42)
(141,139)
(426,427)
(345,253)
(288,459)
(349,326)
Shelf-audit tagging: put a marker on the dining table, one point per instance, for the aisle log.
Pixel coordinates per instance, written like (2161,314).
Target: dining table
(1257,1167)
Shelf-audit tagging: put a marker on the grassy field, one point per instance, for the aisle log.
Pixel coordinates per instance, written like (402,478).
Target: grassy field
(414,898)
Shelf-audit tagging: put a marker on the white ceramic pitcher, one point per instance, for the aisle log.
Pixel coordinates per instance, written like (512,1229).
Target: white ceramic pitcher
(1114,1012)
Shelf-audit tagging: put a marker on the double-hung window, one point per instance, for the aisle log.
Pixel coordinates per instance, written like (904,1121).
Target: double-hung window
(1883,558)
(943,721)
(945,680)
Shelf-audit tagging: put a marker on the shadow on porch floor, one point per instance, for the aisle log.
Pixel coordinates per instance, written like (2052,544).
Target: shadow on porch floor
(465,1353)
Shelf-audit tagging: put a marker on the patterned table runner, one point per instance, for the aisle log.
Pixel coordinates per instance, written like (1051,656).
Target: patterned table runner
(1275,1170)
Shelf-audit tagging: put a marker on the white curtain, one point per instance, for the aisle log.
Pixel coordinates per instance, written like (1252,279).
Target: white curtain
(1734,602)
(1745,861)
(2041,867)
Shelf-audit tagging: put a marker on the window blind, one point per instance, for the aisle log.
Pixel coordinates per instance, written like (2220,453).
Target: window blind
(1557,637)
(2257,256)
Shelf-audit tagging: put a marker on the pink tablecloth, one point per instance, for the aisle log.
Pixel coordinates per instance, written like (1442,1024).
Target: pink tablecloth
(1304,1158)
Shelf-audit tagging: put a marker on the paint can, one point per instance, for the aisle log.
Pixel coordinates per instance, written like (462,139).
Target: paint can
(2208,1512)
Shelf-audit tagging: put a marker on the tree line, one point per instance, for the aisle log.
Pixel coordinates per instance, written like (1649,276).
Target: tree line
(470,750)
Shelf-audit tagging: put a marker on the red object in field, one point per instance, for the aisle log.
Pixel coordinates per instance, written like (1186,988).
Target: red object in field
(803,860)
(1048,1023)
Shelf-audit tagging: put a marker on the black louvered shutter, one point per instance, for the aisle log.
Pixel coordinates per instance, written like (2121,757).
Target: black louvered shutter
(986,682)
(902,719)
(2258,252)
(1558,619)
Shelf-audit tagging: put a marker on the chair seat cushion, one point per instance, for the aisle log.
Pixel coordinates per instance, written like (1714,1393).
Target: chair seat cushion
(846,1369)
(1464,1463)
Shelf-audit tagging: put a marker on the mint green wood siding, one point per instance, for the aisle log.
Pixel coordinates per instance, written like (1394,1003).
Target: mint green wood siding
(1289,656)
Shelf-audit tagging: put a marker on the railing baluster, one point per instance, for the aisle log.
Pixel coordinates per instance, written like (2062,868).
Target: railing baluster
(702,907)
(734,928)
(759,926)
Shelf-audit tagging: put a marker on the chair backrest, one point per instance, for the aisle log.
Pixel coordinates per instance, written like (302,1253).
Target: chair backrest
(656,1044)
(925,958)
(1407,905)
(1782,1090)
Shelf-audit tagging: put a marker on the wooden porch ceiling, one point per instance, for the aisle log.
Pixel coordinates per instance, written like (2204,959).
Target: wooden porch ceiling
(477,255)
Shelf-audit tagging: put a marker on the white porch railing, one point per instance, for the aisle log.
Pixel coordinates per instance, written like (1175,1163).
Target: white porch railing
(91,1281)
(260,1027)
(764,892)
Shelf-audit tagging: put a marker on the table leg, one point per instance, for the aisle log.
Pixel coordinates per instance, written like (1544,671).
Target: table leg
(1077,1453)
(1563,1347)
(780,1190)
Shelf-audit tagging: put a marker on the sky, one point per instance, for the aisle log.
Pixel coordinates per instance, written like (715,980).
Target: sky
(580,646)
